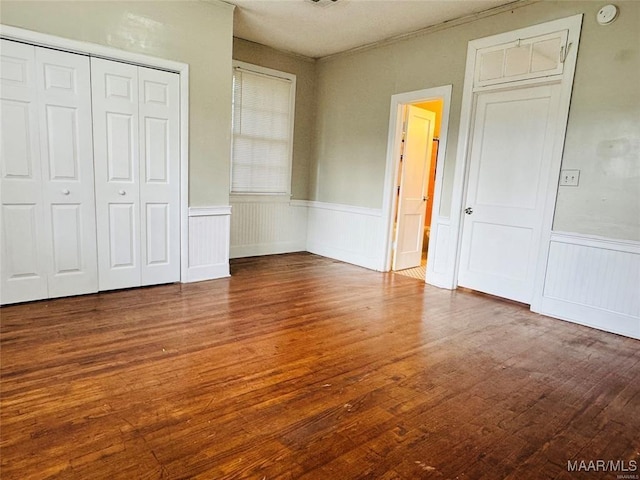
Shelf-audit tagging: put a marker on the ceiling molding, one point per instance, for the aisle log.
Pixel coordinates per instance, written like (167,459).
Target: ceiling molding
(289,53)
(432,29)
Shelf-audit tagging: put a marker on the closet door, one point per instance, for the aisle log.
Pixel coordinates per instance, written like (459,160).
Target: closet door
(115,129)
(64,111)
(25,256)
(159,176)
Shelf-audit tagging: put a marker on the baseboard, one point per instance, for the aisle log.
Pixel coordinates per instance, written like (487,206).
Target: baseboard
(208,272)
(613,322)
(241,251)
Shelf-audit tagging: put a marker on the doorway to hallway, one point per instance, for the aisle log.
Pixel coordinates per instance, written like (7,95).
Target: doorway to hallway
(415,158)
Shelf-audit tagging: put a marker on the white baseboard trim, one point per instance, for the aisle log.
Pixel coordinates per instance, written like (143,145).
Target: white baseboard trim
(208,255)
(257,250)
(593,281)
(208,272)
(607,321)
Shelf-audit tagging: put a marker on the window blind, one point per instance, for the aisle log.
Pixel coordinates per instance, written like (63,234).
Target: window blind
(261,150)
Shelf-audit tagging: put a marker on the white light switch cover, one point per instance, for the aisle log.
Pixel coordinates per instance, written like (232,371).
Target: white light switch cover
(569,178)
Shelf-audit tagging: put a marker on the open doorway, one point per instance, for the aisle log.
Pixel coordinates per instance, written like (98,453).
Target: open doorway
(415,158)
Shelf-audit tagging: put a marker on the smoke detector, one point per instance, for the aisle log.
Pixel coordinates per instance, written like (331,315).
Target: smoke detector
(607,14)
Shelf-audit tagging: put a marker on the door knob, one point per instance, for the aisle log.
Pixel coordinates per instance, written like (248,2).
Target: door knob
(468,210)
(121,192)
(424,199)
(65,191)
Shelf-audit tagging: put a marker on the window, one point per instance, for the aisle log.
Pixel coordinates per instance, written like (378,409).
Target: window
(263,104)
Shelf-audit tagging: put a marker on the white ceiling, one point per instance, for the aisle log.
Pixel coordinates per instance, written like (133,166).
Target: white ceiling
(324,28)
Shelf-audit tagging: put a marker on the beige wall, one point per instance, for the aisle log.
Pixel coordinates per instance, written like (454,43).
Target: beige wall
(304,126)
(339,156)
(603,136)
(354,93)
(197,33)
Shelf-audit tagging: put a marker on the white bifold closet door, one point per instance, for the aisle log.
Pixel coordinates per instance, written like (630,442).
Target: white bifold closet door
(48,212)
(136,135)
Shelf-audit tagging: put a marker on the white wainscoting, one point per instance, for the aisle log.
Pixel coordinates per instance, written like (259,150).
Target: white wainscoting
(267,225)
(208,243)
(593,281)
(439,254)
(350,234)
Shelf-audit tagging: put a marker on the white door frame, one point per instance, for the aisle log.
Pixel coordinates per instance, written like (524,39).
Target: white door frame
(182,69)
(451,260)
(394,142)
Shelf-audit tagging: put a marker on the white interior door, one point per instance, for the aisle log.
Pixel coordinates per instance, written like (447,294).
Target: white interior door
(414,174)
(64,94)
(25,256)
(509,169)
(116,159)
(159,176)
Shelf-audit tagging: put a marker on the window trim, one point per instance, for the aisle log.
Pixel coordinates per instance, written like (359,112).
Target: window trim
(268,72)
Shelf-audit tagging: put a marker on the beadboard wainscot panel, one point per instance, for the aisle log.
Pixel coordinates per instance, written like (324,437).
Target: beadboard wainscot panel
(347,233)
(208,243)
(267,225)
(593,281)
(438,254)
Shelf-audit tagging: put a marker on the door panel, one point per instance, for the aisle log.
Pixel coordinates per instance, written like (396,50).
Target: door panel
(66,147)
(509,168)
(160,176)
(115,131)
(21,242)
(507,262)
(158,241)
(17,154)
(413,188)
(509,171)
(67,238)
(24,254)
(156,157)
(121,152)
(122,234)
(63,142)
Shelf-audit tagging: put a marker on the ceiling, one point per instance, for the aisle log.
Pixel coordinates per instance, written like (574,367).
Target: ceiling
(326,27)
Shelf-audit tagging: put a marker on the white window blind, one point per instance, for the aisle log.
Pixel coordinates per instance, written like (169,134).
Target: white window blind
(262,133)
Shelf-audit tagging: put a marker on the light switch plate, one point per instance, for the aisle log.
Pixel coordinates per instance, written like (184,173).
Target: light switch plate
(569,178)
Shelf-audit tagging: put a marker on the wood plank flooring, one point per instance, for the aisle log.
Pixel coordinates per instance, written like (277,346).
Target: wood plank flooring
(301,367)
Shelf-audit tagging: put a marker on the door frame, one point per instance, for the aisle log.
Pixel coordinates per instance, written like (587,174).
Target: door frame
(108,53)
(451,256)
(394,144)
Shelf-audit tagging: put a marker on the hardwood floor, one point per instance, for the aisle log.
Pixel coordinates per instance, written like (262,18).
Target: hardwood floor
(302,367)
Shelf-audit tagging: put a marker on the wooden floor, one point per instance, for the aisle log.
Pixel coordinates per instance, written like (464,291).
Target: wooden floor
(303,367)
